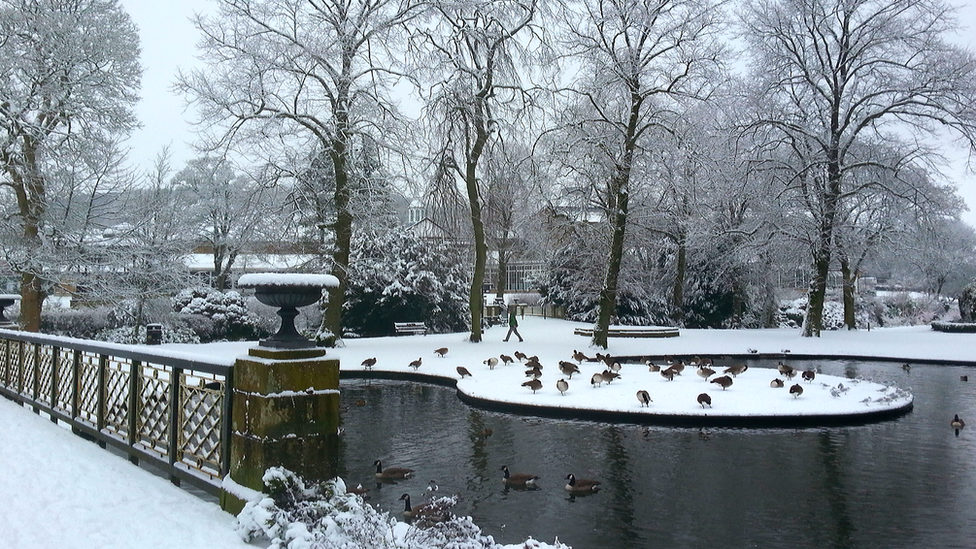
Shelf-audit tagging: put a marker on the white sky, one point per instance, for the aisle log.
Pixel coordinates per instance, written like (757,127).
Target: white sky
(169,41)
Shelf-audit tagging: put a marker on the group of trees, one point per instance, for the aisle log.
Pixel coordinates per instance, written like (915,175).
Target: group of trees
(668,180)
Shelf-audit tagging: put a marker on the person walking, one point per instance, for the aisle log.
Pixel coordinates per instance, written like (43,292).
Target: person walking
(513,324)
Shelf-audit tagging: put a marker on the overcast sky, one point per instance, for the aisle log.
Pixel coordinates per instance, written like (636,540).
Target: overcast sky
(169,41)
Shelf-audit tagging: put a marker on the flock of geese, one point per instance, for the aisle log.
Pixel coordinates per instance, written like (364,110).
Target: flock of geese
(704,368)
(436,511)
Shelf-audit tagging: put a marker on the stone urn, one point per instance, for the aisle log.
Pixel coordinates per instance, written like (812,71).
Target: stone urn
(6,300)
(288,292)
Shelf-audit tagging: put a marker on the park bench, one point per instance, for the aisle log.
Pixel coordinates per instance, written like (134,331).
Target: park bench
(632,331)
(411,328)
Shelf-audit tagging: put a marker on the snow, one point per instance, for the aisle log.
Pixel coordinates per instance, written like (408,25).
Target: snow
(72,494)
(287,279)
(10,296)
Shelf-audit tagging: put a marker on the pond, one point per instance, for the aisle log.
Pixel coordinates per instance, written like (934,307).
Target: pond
(907,482)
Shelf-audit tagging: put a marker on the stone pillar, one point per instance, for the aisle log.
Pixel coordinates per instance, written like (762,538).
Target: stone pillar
(285,413)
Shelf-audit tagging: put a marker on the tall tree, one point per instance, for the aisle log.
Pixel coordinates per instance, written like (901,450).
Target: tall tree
(69,74)
(472,52)
(288,78)
(636,59)
(835,73)
(225,211)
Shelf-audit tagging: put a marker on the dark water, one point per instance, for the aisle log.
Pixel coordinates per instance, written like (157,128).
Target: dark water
(908,482)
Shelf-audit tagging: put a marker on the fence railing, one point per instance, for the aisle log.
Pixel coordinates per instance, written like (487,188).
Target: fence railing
(173,413)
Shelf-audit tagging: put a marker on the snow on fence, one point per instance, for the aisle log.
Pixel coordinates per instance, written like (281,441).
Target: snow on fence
(121,396)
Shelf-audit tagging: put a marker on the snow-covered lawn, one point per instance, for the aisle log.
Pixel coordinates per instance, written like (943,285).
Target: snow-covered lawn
(64,492)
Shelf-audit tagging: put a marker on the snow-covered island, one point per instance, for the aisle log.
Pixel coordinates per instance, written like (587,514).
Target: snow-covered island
(749,400)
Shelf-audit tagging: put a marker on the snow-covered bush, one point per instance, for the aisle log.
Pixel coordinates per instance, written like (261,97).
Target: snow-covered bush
(127,335)
(299,515)
(227,310)
(80,323)
(396,277)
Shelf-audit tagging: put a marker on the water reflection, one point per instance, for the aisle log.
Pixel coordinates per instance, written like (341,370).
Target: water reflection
(889,484)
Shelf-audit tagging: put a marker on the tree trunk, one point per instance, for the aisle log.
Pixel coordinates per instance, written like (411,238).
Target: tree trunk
(850,319)
(31,299)
(608,294)
(501,279)
(476,297)
(620,194)
(678,288)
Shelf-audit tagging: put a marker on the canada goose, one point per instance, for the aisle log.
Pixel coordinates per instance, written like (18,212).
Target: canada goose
(736,369)
(533,384)
(609,376)
(596,380)
(369,363)
(783,368)
(907,367)
(808,375)
(416,364)
(752,351)
(667,373)
(579,357)
(533,373)
(651,367)
(442,352)
(678,367)
(391,473)
(704,372)
(533,362)
(520,356)
(518,480)
(704,399)
(506,360)
(462,371)
(562,386)
(963,378)
(644,398)
(491,362)
(796,390)
(533,358)
(568,368)
(615,367)
(581,485)
(723,381)
(429,511)
(776,383)
(957,423)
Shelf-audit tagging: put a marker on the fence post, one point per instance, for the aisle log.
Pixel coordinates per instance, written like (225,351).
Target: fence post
(132,418)
(100,398)
(36,381)
(75,382)
(20,367)
(55,380)
(285,413)
(173,451)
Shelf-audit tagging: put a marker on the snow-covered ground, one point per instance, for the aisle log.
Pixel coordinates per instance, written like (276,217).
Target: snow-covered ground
(64,492)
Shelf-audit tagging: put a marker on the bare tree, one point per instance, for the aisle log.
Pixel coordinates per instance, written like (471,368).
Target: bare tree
(69,74)
(225,211)
(292,78)
(637,58)
(471,52)
(833,74)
